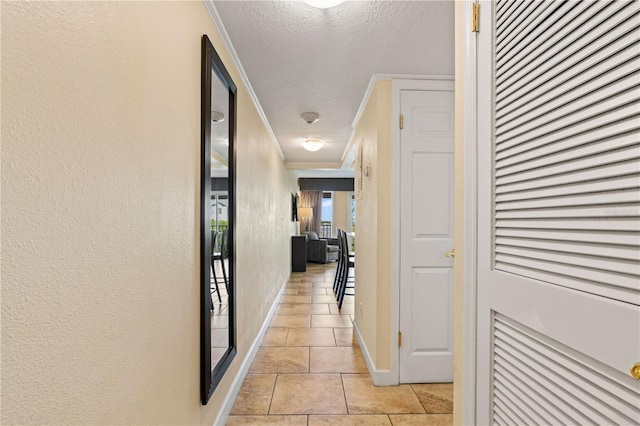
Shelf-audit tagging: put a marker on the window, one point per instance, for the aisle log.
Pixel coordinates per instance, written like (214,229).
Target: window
(353,213)
(219,211)
(326,224)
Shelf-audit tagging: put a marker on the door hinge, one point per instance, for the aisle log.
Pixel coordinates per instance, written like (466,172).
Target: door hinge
(401,121)
(399,338)
(474,17)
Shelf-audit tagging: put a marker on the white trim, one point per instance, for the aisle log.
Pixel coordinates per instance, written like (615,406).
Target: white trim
(234,389)
(470,200)
(309,165)
(395,227)
(363,103)
(436,82)
(217,21)
(378,377)
(349,154)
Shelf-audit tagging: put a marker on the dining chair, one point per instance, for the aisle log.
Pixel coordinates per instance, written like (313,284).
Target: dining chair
(348,263)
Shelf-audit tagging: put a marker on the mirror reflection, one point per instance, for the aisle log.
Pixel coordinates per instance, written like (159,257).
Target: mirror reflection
(219,278)
(217,273)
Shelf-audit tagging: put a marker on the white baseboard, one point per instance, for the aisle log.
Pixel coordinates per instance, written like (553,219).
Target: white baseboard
(379,377)
(232,394)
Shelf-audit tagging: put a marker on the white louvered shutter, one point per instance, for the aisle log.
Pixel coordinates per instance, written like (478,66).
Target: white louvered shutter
(529,365)
(567,144)
(558,294)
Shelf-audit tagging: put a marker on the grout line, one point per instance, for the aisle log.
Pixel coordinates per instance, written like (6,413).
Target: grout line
(273,391)
(344,393)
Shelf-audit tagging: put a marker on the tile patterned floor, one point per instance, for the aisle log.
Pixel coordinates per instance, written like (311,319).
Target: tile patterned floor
(310,371)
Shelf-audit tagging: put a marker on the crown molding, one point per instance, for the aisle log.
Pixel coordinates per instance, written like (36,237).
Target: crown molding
(349,155)
(301,165)
(217,21)
(384,77)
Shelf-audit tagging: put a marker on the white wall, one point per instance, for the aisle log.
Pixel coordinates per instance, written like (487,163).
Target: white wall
(100,193)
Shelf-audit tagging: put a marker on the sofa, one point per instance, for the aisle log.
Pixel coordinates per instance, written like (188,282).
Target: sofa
(321,250)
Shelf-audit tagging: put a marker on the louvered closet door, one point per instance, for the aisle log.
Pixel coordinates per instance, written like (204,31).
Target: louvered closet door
(558,212)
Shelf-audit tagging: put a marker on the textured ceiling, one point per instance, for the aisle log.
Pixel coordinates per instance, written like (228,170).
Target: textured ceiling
(300,58)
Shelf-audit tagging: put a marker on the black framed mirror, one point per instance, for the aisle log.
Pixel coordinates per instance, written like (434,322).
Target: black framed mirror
(217,218)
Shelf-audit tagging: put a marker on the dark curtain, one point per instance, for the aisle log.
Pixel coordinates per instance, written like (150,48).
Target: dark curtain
(312,199)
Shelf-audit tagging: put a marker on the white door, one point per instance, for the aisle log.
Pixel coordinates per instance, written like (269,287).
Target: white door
(426,234)
(558,213)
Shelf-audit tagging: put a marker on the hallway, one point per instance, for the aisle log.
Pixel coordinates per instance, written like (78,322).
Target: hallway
(310,371)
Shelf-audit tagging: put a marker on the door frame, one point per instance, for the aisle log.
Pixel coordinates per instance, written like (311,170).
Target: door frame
(427,82)
(467,125)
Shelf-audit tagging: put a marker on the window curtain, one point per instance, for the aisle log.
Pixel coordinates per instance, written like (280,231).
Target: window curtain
(312,199)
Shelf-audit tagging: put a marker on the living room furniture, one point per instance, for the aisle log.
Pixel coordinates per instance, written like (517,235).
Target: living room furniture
(299,253)
(346,263)
(219,252)
(321,250)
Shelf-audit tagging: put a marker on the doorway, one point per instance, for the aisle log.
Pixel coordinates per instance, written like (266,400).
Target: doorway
(425,237)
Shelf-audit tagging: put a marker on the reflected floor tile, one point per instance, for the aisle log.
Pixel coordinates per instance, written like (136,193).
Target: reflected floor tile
(318,298)
(216,355)
(345,337)
(281,359)
(323,284)
(302,308)
(267,420)
(320,277)
(437,398)
(298,284)
(421,419)
(219,337)
(220,321)
(313,291)
(347,309)
(338,321)
(362,420)
(311,337)
(255,394)
(219,309)
(275,337)
(336,360)
(290,291)
(308,394)
(348,300)
(295,299)
(365,398)
(290,321)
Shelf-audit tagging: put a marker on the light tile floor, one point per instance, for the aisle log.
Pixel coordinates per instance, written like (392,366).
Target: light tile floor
(310,371)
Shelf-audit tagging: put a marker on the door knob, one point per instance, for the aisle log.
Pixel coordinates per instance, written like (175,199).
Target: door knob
(635,371)
(452,253)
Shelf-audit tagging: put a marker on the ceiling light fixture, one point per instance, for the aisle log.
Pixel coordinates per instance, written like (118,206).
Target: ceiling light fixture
(312,144)
(217,116)
(323,4)
(310,117)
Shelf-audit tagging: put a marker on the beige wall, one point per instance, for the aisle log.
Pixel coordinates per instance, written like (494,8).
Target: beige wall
(100,187)
(373,227)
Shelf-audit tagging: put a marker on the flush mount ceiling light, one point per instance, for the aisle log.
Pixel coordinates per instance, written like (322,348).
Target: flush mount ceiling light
(217,116)
(323,4)
(310,117)
(312,144)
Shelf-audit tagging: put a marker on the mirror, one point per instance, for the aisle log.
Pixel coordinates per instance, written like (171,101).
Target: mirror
(217,194)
